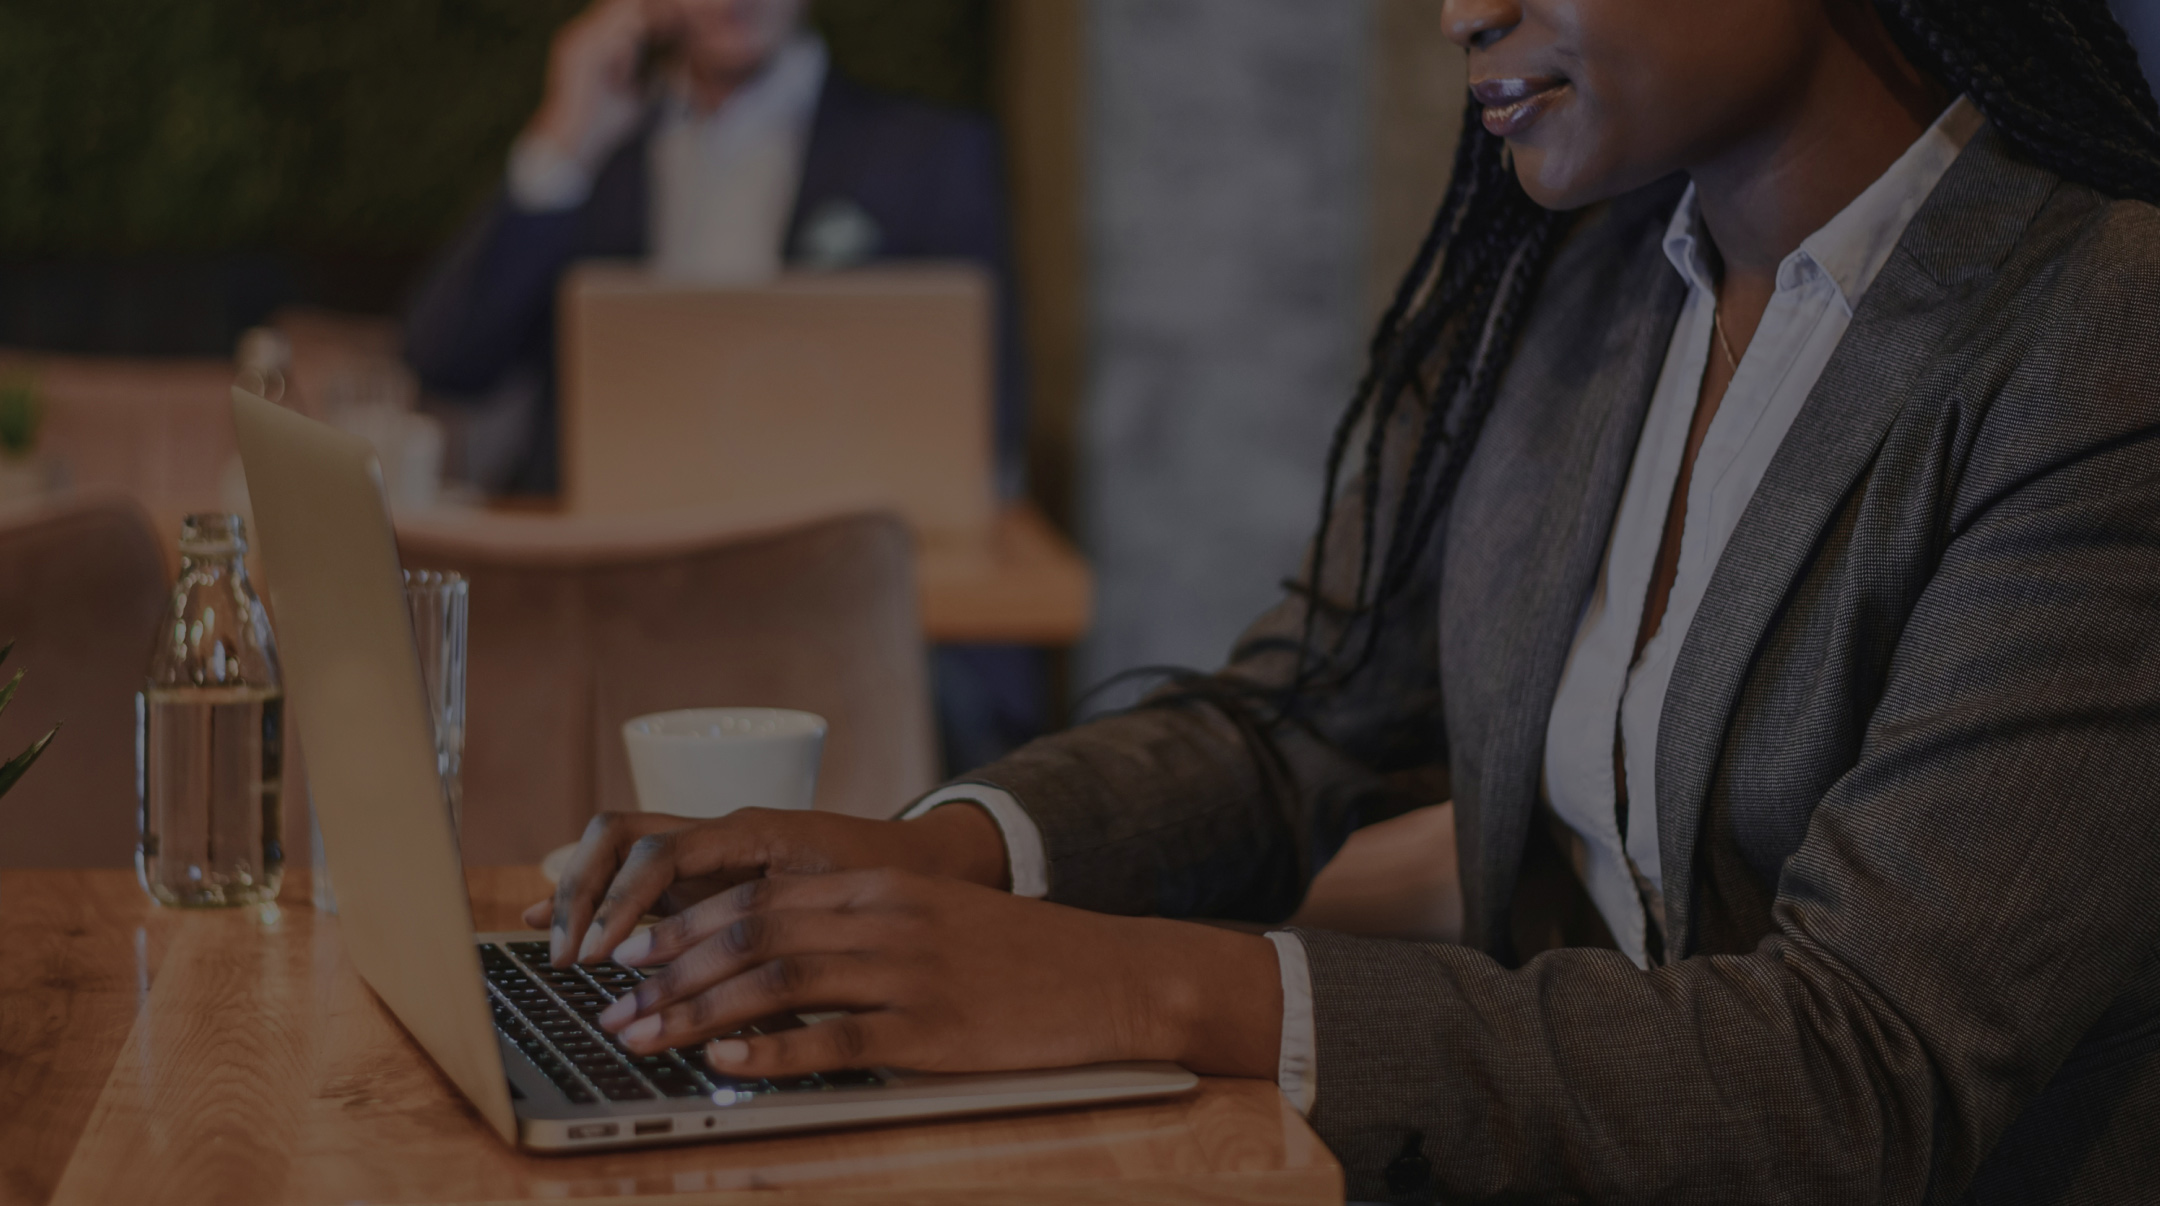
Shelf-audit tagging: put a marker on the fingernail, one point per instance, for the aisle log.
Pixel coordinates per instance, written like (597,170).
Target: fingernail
(591,945)
(624,1008)
(634,948)
(643,1030)
(726,1051)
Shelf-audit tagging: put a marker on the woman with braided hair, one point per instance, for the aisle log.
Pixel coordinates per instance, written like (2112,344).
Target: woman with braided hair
(1750,518)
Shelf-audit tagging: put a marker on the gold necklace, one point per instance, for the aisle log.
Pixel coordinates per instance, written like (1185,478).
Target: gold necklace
(1717,324)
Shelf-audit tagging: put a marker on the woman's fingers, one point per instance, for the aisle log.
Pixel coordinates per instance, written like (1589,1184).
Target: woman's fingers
(670,938)
(589,872)
(857,1040)
(810,921)
(768,946)
(786,985)
(629,864)
(649,868)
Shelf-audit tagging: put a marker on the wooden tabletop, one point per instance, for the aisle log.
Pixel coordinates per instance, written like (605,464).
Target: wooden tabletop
(1020,583)
(1023,584)
(150,1055)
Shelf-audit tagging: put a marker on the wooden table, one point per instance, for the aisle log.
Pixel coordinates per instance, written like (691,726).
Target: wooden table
(1021,582)
(154,1056)
(1024,584)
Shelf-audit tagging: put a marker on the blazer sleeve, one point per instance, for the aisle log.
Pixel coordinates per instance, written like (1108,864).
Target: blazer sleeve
(488,304)
(480,307)
(1209,798)
(1967,902)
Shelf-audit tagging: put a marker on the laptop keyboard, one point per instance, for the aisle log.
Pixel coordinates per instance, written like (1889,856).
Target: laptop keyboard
(549,1014)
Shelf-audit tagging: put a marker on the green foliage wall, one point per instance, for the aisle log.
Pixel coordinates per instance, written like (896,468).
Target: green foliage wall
(368,127)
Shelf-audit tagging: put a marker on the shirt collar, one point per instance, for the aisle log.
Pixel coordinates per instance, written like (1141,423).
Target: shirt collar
(1851,248)
(785,90)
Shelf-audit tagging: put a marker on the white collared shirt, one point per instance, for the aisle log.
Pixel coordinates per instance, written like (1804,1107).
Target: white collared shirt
(1819,287)
(722,184)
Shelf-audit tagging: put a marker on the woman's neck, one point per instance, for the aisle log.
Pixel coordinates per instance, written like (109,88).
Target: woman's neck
(1860,109)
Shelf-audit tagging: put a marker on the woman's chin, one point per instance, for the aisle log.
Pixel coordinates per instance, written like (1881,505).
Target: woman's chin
(1551,188)
(1559,181)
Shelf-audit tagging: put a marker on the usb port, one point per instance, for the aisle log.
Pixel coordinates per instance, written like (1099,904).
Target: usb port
(656,1126)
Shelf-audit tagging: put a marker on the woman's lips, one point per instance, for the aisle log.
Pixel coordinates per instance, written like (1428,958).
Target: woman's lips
(1514,105)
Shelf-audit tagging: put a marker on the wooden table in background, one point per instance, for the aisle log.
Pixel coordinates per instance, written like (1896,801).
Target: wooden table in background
(234,1057)
(1025,584)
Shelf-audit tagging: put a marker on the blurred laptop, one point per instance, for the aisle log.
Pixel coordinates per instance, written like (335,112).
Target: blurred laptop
(874,381)
(515,1035)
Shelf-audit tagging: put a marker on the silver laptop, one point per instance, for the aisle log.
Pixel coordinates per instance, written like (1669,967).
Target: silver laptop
(515,1035)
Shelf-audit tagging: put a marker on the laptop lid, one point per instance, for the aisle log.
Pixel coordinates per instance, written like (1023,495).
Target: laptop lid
(873,381)
(353,679)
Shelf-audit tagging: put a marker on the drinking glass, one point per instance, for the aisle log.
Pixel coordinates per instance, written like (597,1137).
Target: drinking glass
(439,602)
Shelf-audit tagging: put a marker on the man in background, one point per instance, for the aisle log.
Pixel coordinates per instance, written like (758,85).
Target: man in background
(712,138)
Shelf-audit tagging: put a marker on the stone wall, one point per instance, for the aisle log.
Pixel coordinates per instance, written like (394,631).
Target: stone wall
(1227,234)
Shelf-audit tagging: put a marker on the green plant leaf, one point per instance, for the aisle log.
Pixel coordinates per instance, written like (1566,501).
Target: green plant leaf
(6,649)
(15,766)
(7,693)
(21,414)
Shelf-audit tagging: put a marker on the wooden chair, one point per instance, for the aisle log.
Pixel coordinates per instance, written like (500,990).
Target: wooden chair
(578,624)
(82,585)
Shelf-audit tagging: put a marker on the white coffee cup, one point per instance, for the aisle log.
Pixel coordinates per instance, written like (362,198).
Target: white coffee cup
(708,762)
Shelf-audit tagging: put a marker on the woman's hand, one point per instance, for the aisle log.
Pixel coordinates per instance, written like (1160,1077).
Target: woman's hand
(633,863)
(944,976)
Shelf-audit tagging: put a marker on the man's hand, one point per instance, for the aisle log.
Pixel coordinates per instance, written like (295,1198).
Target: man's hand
(592,100)
(945,976)
(633,863)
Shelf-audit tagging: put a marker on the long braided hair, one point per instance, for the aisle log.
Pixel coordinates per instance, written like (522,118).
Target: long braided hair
(2058,79)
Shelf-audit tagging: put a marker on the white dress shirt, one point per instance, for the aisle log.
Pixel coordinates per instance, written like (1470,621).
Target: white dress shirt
(1819,286)
(722,184)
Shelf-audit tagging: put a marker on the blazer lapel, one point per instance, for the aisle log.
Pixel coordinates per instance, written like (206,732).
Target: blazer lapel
(1527,537)
(1965,228)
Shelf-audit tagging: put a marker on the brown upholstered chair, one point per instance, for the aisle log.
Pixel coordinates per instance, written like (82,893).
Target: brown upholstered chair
(82,584)
(578,624)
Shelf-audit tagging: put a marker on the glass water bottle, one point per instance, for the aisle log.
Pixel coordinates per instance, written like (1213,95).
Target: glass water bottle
(209,734)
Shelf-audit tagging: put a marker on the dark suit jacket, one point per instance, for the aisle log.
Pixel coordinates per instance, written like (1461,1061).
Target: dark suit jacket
(1909,768)
(929,179)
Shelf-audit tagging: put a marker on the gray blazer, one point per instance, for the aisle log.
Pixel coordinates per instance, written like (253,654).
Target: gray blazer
(1907,769)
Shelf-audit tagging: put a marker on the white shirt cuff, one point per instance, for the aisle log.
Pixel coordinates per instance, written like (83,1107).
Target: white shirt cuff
(544,180)
(1024,857)
(1296,1067)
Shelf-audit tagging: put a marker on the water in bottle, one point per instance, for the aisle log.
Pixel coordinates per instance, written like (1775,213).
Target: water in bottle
(210,735)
